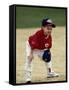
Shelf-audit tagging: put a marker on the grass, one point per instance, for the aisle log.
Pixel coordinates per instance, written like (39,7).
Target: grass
(27,17)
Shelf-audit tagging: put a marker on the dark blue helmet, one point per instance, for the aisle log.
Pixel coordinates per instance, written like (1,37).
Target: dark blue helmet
(47,21)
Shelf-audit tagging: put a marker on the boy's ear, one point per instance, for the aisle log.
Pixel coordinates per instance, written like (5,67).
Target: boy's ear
(41,27)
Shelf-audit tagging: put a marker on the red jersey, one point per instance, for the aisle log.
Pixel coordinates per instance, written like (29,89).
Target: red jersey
(39,40)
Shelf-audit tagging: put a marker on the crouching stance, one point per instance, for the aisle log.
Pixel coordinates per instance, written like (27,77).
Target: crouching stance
(40,44)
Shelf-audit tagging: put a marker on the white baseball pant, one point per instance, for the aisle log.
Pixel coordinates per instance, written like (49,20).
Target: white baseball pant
(28,64)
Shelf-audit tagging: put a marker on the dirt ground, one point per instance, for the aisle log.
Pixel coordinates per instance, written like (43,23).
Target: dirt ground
(39,73)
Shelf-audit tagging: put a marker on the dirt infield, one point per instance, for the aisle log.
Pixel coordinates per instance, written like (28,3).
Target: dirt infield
(39,70)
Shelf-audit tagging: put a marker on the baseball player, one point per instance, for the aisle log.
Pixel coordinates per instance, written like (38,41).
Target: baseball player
(40,44)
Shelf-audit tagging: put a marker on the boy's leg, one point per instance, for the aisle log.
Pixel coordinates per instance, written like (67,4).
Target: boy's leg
(50,71)
(46,56)
(28,67)
(48,63)
(28,70)
(49,67)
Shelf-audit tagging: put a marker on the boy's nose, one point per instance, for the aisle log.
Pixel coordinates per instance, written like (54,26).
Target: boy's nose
(49,31)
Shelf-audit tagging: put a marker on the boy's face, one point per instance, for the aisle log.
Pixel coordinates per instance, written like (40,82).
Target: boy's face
(47,29)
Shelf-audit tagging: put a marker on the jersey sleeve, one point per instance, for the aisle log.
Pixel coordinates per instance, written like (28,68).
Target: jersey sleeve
(33,41)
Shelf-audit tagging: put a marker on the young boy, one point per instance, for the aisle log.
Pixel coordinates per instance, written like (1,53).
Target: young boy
(40,44)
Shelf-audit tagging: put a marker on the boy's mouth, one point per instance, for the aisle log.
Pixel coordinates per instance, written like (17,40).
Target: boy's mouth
(49,32)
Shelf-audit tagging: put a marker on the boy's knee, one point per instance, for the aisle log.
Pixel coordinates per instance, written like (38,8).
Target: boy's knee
(30,57)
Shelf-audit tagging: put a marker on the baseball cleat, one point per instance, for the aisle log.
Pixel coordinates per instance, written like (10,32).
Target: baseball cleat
(52,74)
(28,82)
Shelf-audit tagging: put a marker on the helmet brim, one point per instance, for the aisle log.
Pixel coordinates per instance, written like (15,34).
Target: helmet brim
(52,24)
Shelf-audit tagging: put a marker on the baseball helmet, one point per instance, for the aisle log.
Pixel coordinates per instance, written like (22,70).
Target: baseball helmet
(47,21)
